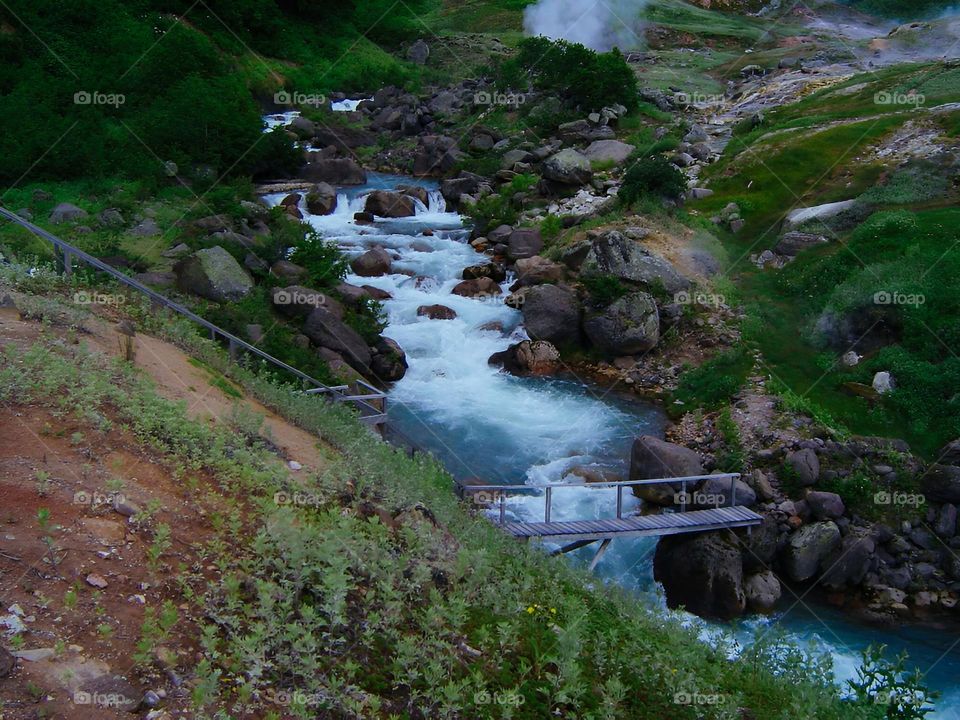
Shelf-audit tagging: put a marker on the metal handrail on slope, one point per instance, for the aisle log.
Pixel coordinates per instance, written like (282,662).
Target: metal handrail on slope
(364,402)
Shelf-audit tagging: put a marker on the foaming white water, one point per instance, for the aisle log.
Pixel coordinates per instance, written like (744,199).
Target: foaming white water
(346,105)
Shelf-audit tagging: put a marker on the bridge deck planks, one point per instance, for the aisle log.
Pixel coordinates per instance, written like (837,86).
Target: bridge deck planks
(639,526)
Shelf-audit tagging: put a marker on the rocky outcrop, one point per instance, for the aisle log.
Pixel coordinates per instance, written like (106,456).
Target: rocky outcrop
(568,167)
(389,364)
(214,274)
(807,549)
(652,458)
(762,591)
(326,330)
(372,263)
(702,573)
(384,203)
(613,254)
(524,243)
(66,212)
(552,313)
(322,199)
(609,151)
(536,357)
(628,326)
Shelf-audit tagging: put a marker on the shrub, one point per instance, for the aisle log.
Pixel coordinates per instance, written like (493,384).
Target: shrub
(714,383)
(580,76)
(652,176)
(603,289)
(326,267)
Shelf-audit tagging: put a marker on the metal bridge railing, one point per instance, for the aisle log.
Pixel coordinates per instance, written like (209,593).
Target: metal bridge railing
(368,400)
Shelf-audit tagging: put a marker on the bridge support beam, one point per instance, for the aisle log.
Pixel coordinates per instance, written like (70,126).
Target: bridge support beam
(601,551)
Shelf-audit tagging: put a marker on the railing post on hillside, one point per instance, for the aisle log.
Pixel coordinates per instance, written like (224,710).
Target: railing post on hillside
(66,259)
(503,507)
(549,499)
(233,351)
(683,496)
(733,490)
(619,502)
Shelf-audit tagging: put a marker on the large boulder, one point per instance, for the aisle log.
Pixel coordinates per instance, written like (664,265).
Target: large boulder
(533,357)
(372,263)
(652,458)
(523,243)
(763,591)
(390,362)
(322,199)
(336,171)
(847,565)
(66,212)
(568,167)
(537,270)
(214,274)
(609,151)
(436,312)
(805,465)
(418,53)
(465,183)
(702,573)
(628,326)
(825,505)
(384,203)
(552,313)
(478,287)
(941,483)
(950,453)
(327,331)
(800,216)
(808,547)
(721,492)
(613,254)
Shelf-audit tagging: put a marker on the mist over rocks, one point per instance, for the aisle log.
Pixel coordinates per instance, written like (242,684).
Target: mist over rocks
(600,26)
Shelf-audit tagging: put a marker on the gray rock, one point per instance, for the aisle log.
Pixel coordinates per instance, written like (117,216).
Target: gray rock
(807,548)
(419,53)
(608,150)
(702,573)
(568,167)
(762,591)
(941,483)
(652,458)
(946,523)
(798,217)
(950,453)
(537,270)
(614,254)
(523,243)
(214,274)
(176,251)
(66,212)
(286,270)
(536,357)
(328,331)
(793,243)
(146,228)
(883,382)
(805,464)
(717,492)
(825,505)
(628,326)
(336,171)
(390,362)
(552,313)
(109,218)
(296,301)
(373,263)
(322,200)
(847,565)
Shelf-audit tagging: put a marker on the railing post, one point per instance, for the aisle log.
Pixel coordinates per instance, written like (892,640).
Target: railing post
(683,496)
(503,507)
(67,260)
(733,490)
(233,351)
(619,502)
(549,499)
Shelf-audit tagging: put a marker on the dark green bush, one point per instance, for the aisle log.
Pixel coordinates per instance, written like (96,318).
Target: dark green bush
(603,289)
(653,176)
(714,383)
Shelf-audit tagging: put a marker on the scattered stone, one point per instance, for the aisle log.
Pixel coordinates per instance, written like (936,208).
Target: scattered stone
(419,53)
(213,273)
(806,465)
(763,591)
(436,312)
(97,581)
(66,212)
(322,200)
(373,263)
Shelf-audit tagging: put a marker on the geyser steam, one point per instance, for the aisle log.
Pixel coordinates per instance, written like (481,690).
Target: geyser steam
(598,24)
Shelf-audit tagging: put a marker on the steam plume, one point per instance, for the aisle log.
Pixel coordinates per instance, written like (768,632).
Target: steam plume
(598,24)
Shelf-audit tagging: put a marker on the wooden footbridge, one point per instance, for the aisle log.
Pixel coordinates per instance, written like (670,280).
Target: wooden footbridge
(574,534)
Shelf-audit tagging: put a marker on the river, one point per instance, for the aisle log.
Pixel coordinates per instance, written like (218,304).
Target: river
(483,423)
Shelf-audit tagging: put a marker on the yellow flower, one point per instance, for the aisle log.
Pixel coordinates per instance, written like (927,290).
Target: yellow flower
(553,610)
(530,609)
